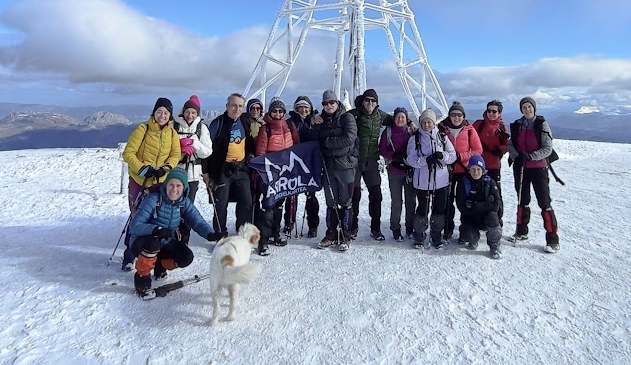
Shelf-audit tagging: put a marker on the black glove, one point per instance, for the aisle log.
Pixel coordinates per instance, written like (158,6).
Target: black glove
(490,198)
(521,159)
(470,204)
(214,236)
(146,171)
(160,172)
(398,164)
(430,160)
(398,155)
(161,233)
(438,155)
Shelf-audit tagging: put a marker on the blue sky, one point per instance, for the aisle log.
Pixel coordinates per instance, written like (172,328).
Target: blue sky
(98,52)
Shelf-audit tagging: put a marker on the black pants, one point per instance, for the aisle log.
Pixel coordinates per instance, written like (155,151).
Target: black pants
(234,181)
(312,211)
(268,221)
(170,256)
(470,227)
(540,181)
(369,171)
(451,208)
(439,204)
(192,190)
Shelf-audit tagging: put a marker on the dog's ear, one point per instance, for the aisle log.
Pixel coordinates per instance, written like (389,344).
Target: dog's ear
(254,239)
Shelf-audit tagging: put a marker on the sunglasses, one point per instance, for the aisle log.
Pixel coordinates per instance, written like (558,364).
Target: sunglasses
(370,100)
(255,108)
(330,102)
(456,115)
(492,111)
(281,111)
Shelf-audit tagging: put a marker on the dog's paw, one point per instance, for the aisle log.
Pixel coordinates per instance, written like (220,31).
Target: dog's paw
(213,322)
(229,318)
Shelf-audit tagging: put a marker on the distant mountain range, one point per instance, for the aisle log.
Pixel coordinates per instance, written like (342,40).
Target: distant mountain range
(27,126)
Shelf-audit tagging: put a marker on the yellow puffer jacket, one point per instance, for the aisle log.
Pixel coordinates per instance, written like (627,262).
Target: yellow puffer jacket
(157,148)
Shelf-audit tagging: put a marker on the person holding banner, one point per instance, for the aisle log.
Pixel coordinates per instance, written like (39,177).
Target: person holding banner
(274,136)
(337,133)
(303,117)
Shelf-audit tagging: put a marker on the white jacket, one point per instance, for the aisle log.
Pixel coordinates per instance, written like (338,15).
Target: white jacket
(203,146)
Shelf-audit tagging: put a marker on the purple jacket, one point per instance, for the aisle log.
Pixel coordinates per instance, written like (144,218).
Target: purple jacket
(430,143)
(398,142)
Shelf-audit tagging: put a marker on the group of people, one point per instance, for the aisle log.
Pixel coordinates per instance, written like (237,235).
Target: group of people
(430,168)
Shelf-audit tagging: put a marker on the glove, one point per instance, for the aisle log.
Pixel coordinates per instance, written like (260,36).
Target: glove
(161,233)
(214,236)
(398,155)
(498,152)
(470,204)
(160,172)
(430,160)
(146,171)
(438,155)
(490,198)
(186,146)
(521,159)
(398,164)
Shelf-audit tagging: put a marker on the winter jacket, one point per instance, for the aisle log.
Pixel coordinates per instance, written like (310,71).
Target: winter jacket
(526,140)
(494,140)
(430,142)
(477,195)
(394,149)
(220,128)
(156,210)
(155,146)
(280,137)
(338,136)
(467,143)
(368,130)
(202,145)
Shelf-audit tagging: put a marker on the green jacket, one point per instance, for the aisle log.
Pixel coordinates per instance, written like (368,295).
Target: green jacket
(368,131)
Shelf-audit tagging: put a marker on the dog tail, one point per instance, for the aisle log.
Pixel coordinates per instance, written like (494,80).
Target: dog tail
(240,274)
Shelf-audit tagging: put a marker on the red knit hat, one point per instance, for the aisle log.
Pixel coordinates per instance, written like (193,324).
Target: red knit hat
(194,103)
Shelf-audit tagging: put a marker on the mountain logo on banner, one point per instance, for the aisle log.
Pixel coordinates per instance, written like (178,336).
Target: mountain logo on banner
(281,185)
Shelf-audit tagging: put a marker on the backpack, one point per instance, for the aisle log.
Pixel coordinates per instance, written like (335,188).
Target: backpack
(198,133)
(441,136)
(478,125)
(514,130)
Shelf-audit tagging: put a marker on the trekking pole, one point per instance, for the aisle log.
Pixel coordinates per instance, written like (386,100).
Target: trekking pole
(337,214)
(304,216)
(119,239)
(212,199)
(428,199)
(163,290)
(131,213)
(294,211)
(519,188)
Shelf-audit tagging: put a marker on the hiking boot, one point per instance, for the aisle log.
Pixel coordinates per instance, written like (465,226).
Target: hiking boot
(438,245)
(377,235)
(409,233)
(345,244)
(312,233)
(448,235)
(354,232)
(496,253)
(472,246)
(278,241)
(128,260)
(159,272)
(287,230)
(552,248)
(462,242)
(518,237)
(397,235)
(263,249)
(326,243)
(142,284)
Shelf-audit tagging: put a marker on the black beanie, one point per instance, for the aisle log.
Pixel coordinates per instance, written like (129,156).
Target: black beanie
(530,100)
(165,103)
(456,106)
(371,93)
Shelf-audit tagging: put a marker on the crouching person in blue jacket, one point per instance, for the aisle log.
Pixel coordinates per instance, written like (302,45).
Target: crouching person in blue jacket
(478,200)
(155,232)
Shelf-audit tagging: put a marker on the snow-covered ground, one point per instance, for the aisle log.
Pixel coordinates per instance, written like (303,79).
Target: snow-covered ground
(379,303)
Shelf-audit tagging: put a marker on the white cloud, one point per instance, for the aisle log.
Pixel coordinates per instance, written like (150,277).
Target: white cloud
(105,42)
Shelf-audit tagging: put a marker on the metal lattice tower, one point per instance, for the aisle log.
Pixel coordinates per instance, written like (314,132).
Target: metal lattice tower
(395,19)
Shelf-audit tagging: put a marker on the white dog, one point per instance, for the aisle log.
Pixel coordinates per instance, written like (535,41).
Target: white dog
(230,266)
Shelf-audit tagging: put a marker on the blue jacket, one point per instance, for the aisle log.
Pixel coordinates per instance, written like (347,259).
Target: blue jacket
(156,210)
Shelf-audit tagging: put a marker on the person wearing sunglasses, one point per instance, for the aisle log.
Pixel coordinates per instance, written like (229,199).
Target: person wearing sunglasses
(302,118)
(494,139)
(467,143)
(369,121)
(337,132)
(253,116)
(275,136)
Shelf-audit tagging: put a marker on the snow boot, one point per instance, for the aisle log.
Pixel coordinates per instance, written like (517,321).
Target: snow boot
(397,235)
(142,285)
(496,253)
(264,248)
(312,233)
(278,241)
